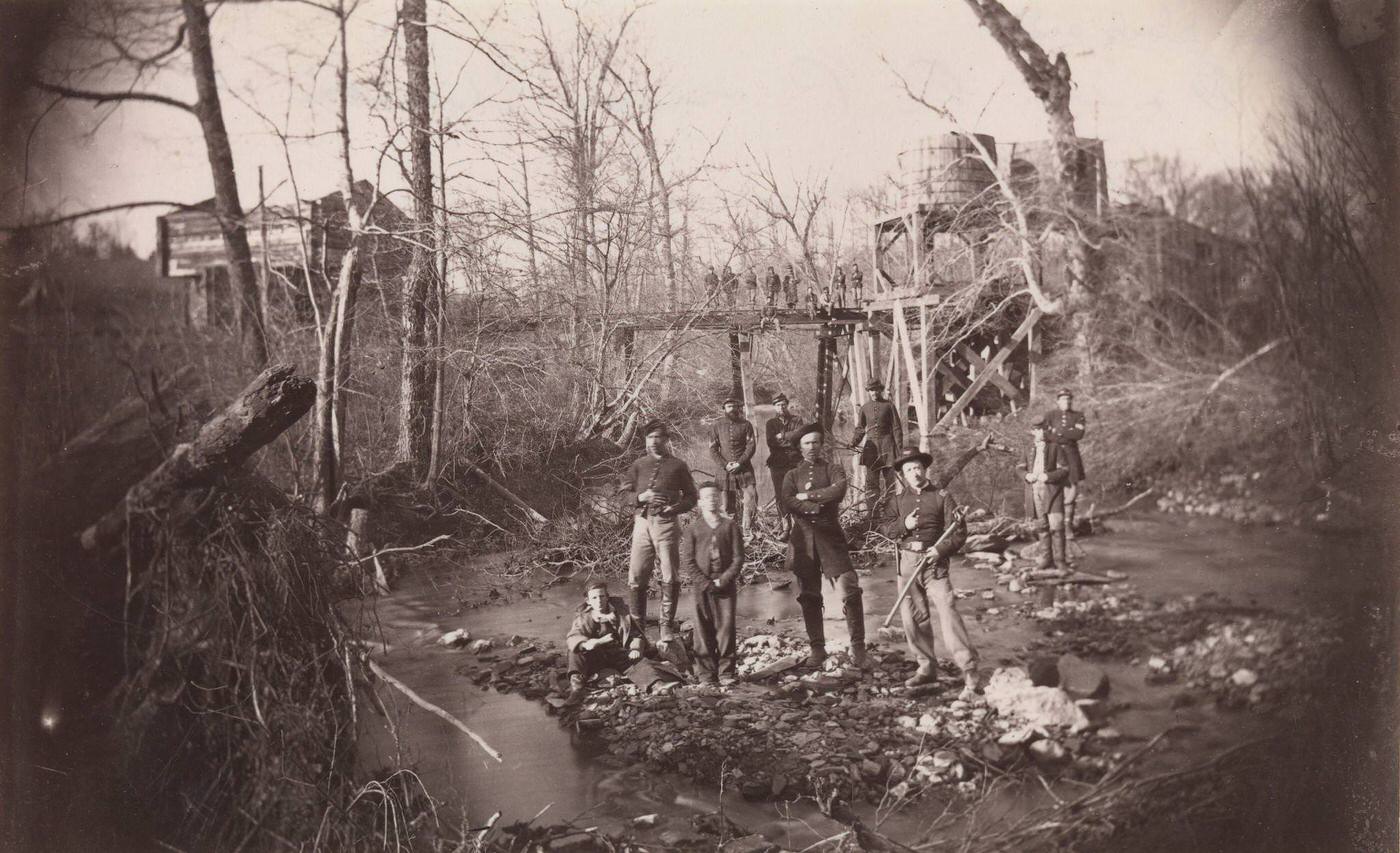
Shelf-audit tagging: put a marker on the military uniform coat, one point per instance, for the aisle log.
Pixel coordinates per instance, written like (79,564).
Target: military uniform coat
(1066,429)
(733,441)
(666,475)
(1057,475)
(772,283)
(935,507)
(782,450)
(817,541)
(881,426)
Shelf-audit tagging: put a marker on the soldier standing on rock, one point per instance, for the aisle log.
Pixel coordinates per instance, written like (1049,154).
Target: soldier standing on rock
(603,636)
(1065,427)
(879,434)
(732,444)
(712,552)
(783,455)
(916,522)
(657,488)
(812,493)
(1046,473)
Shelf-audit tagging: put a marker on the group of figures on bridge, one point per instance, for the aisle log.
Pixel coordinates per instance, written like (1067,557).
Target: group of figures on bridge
(786,290)
(907,501)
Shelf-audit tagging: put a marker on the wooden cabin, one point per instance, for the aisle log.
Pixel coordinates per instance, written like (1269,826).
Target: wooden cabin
(297,257)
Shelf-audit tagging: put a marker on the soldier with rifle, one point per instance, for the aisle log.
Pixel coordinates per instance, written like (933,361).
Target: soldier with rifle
(928,529)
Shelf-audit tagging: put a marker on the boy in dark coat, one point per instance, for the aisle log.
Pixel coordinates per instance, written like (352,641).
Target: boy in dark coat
(603,636)
(1046,473)
(712,553)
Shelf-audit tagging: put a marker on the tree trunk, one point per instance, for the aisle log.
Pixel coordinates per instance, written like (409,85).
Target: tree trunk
(419,359)
(227,205)
(274,401)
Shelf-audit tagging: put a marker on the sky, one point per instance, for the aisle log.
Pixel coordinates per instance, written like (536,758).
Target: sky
(813,86)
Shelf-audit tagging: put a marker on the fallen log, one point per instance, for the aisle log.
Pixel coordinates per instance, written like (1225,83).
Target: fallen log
(534,514)
(1134,501)
(270,404)
(74,487)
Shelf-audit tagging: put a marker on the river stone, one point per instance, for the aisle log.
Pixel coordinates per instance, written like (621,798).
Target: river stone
(1048,753)
(1012,694)
(1044,672)
(1081,679)
(749,844)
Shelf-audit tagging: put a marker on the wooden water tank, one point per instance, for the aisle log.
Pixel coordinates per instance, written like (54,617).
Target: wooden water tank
(944,170)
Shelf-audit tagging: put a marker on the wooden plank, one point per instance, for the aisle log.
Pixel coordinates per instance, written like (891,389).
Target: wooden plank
(901,326)
(998,379)
(992,366)
(926,415)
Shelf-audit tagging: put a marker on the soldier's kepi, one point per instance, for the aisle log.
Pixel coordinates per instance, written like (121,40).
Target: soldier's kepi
(812,493)
(656,488)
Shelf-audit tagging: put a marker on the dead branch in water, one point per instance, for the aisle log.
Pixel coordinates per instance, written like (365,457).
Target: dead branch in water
(435,710)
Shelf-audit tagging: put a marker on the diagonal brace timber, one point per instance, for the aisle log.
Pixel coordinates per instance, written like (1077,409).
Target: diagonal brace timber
(992,367)
(1006,385)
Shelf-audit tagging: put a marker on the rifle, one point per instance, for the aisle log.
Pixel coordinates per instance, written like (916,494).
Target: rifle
(931,555)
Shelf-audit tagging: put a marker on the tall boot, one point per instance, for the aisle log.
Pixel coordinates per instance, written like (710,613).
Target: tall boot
(1069,520)
(670,598)
(854,610)
(1047,558)
(1057,538)
(639,605)
(816,633)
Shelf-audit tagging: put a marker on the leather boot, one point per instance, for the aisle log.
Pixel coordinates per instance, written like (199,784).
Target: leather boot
(1047,558)
(816,633)
(1057,538)
(670,598)
(1069,521)
(639,605)
(578,688)
(855,625)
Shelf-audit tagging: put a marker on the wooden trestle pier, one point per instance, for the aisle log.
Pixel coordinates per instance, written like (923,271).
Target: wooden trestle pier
(887,338)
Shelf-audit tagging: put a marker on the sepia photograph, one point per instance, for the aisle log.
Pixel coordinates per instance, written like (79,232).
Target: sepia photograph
(547,426)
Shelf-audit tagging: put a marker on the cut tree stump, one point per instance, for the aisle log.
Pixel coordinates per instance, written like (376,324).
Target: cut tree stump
(274,401)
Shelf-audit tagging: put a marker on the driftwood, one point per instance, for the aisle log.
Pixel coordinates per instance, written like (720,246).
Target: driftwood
(1134,501)
(530,511)
(274,401)
(434,710)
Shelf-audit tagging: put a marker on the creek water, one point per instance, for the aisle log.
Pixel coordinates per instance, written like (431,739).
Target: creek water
(548,768)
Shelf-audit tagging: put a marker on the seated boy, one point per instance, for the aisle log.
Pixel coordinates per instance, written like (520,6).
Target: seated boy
(712,553)
(604,636)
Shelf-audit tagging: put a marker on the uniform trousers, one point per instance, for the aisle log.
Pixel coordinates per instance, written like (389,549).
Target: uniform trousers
(929,596)
(656,542)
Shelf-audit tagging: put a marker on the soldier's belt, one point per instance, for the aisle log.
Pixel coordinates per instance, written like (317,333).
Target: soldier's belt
(917,547)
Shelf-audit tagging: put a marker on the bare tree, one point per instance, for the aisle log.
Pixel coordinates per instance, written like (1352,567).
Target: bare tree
(419,344)
(797,207)
(1049,80)
(134,40)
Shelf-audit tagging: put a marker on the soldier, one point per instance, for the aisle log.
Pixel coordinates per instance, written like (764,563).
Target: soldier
(838,288)
(783,455)
(811,300)
(603,636)
(812,492)
(751,285)
(730,283)
(917,521)
(1046,473)
(1065,427)
(772,284)
(711,284)
(732,444)
(656,488)
(790,287)
(878,434)
(712,552)
(857,284)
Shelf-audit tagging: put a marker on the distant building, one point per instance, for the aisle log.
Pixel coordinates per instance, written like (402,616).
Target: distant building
(190,246)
